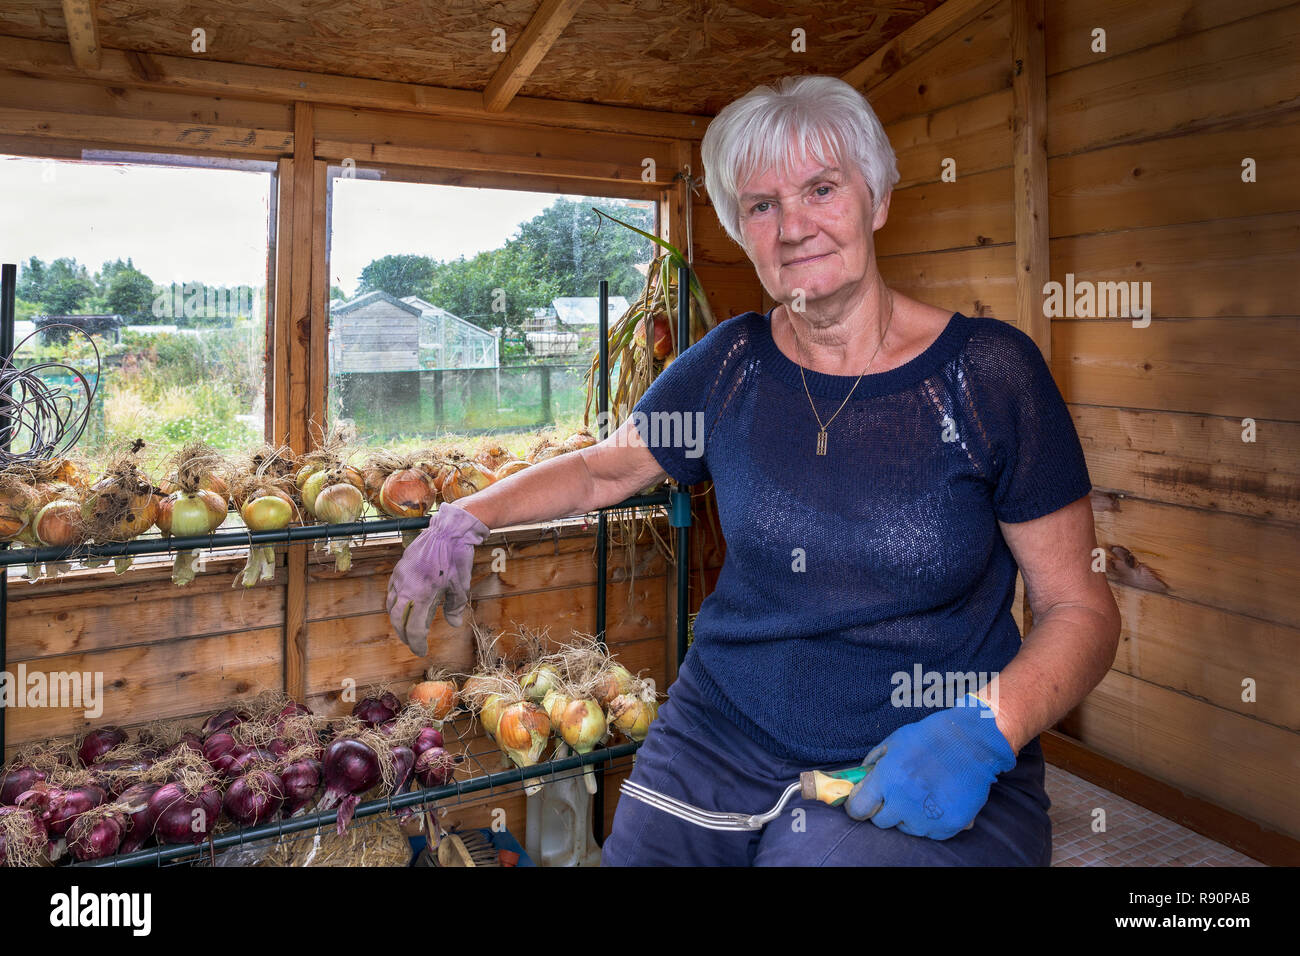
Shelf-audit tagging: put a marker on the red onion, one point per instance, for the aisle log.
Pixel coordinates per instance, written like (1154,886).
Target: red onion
(97,833)
(223,720)
(403,759)
(350,768)
(140,819)
(426,738)
(182,816)
(301,781)
(254,798)
(16,780)
(221,751)
(189,740)
(63,805)
(278,747)
(99,742)
(115,783)
(291,709)
(435,766)
(22,836)
(376,710)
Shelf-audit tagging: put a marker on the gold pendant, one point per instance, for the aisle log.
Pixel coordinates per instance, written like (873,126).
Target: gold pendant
(821,442)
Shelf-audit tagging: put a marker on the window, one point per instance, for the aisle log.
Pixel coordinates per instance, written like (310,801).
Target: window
(165,266)
(457,312)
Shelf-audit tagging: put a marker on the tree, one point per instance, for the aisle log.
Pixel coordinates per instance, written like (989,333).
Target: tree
(336,292)
(67,285)
(399,276)
(129,293)
(31,280)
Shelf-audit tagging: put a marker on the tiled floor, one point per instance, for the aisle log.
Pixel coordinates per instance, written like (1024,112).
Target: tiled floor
(1134,836)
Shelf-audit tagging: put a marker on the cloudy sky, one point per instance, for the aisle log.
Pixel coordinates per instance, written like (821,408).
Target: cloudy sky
(210,224)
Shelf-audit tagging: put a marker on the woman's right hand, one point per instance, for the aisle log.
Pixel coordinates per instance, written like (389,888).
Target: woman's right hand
(435,569)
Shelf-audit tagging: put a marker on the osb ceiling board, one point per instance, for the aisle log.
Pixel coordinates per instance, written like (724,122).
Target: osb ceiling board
(690,56)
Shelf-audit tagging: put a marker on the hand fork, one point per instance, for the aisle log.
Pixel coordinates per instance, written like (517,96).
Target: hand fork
(831,787)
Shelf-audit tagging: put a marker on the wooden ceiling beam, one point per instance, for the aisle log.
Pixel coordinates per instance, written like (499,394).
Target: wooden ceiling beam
(527,52)
(83,33)
(932,29)
(188,74)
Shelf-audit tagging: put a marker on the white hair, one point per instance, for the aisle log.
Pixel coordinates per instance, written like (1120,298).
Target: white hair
(757,132)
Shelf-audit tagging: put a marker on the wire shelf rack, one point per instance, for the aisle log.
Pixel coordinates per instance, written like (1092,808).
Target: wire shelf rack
(485,774)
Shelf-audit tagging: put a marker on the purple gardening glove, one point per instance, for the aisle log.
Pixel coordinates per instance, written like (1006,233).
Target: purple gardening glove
(434,570)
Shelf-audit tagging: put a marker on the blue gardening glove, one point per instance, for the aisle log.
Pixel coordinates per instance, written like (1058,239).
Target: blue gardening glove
(932,777)
(435,569)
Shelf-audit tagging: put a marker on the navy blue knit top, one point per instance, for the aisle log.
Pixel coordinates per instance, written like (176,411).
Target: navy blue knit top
(880,559)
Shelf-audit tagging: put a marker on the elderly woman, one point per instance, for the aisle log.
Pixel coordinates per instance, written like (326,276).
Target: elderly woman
(882,468)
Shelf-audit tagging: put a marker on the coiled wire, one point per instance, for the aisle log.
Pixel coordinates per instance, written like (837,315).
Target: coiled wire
(49,416)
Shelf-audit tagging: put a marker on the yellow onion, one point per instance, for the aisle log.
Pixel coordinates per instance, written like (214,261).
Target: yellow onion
(185,515)
(579,439)
(489,714)
(264,510)
(438,696)
(543,450)
(16,510)
(492,457)
(614,679)
(464,479)
(539,681)
(209,482)
(306,471)
(581,724)
(632,715)
(523,730)
(140,516)
(58,524)
(406,493)
(339,504)
(511,467)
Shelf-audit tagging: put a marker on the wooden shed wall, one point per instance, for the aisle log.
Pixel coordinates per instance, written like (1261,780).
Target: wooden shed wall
(378,337)
(1144,151)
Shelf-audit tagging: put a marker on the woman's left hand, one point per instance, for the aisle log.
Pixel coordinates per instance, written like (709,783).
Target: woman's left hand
(932,777)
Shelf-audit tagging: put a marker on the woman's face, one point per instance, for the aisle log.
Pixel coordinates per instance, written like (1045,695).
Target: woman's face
(810,229)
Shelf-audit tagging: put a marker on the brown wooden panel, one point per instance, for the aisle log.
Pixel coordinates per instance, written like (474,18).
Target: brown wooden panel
(532,566)
(974,210)
(33,93)
(78,620)
(157,681)
(1131,25)
(1207,653)
(975,134)
(731,290)
(1227,267)
(972,62)
(1190,82)
(1228,562)
(154,134)
(341,133)
(1178,179)
(365,649)
(1235,367)
(977,281)
(1195,460)
(712,244)
(1244,765)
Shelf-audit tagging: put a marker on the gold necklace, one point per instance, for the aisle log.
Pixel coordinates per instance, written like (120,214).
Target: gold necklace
(821,434)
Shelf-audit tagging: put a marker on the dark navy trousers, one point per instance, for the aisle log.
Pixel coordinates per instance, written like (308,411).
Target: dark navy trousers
(696,754)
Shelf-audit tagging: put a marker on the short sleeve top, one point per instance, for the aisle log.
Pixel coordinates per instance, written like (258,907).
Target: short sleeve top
(855,580)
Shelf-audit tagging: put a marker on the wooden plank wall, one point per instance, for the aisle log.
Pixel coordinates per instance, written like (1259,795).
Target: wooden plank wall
(1145,144)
